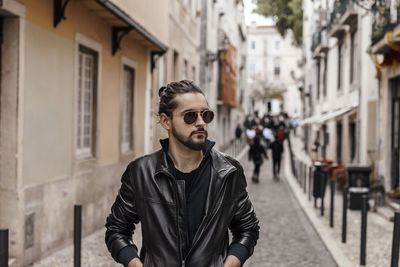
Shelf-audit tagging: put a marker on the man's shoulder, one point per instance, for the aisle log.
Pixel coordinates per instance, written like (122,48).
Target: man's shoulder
(145,160)
(227,158)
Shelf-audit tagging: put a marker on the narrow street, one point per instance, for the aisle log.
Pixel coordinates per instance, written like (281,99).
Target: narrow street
(286,236)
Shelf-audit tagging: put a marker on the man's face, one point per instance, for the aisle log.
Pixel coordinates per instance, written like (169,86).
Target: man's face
(192,135)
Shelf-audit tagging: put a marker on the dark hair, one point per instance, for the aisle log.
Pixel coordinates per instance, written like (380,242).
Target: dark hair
(167,95)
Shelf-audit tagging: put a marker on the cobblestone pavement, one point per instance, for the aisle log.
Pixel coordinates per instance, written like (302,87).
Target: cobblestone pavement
(379,229)
(286,236)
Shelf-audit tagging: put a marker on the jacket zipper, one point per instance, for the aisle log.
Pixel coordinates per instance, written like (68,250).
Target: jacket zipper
(177,216)
(177,221)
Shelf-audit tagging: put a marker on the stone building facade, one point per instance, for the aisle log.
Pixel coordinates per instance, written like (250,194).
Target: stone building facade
(76,79)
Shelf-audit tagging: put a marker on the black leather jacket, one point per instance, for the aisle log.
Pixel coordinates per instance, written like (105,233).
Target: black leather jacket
(151,195)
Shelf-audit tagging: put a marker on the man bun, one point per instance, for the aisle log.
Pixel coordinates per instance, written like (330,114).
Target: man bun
(162,89)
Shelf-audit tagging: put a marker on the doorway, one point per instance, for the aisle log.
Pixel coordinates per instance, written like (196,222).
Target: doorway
(395,148)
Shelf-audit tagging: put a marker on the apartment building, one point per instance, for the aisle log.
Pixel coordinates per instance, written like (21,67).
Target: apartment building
(273,66)
(222,74)
(76,79)
(340,92)
(385,53)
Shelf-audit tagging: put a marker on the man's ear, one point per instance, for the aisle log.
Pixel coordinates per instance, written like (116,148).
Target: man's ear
(165,121)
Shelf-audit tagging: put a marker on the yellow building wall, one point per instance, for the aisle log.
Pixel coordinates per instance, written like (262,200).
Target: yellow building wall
(49,123)
(152,14)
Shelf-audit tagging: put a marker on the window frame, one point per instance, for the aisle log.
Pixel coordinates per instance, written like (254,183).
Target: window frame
(340,67)
(87,44)
(353,49)
(131,64)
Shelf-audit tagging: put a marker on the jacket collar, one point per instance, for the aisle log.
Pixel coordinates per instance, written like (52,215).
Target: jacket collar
(219,161)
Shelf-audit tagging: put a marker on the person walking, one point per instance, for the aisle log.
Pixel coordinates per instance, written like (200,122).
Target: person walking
(187,195)
(256,153)
(277,149)
(238,139)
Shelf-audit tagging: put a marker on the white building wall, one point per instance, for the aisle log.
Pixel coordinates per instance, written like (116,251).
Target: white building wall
(266,48)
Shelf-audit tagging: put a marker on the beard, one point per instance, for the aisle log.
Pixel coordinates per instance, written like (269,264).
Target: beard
(189,143)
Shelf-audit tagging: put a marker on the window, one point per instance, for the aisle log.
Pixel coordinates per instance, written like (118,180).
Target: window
(176,55)
(352,135)
(87,94)
(128,83)
(253,45)
(185,69)
(324,76)
(353,48)
(277,68)
(340,61)
(339,142)
(325,140)
(193,73)
(162,72)
(252,69)
(277,45)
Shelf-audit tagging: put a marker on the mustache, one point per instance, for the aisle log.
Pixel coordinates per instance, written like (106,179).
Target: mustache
(199,130)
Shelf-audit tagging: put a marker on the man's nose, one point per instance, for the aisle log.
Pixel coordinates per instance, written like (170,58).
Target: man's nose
(199,121)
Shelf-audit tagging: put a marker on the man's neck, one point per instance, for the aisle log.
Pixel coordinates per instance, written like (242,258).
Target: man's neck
(184,158)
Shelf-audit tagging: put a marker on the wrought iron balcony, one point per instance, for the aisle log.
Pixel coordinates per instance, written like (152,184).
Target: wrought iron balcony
(385,19)
(316,40)
(319,42)
(343,13)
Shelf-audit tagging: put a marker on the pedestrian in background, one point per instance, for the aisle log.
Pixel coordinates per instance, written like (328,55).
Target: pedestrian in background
(172,193)
(256,153)
(238,138)
(277,149)
(238,131)
(281,134)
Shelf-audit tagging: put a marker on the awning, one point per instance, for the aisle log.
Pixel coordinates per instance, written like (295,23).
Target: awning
(131,23)
(334,114)
(321,118)
(309,120)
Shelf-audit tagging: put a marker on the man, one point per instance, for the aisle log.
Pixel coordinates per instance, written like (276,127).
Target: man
(186,195)
(277,150)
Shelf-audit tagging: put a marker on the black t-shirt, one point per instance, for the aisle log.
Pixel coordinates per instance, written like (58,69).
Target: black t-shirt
(196,188)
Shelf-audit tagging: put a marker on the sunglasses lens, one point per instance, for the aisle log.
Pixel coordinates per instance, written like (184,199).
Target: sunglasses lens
(190,117)
(208,116)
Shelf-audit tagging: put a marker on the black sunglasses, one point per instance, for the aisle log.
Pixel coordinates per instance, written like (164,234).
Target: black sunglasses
(191,116)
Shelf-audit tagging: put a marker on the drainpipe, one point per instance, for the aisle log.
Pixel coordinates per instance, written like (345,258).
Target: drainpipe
(359,66)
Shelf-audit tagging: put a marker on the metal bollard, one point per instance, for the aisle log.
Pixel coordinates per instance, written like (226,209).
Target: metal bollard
(309,182)
(305,179)
(344,218)
(363,229)
(396,240)
(3,247)
(322,199)
(301,174)
(77,235)
(331,219)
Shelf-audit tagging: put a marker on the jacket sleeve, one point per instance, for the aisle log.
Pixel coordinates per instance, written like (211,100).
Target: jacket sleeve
(244,225)
(121,222)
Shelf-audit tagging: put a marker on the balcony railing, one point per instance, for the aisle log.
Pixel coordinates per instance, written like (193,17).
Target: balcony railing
(339,8)
(383,20)
(319,40)
(316,40)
